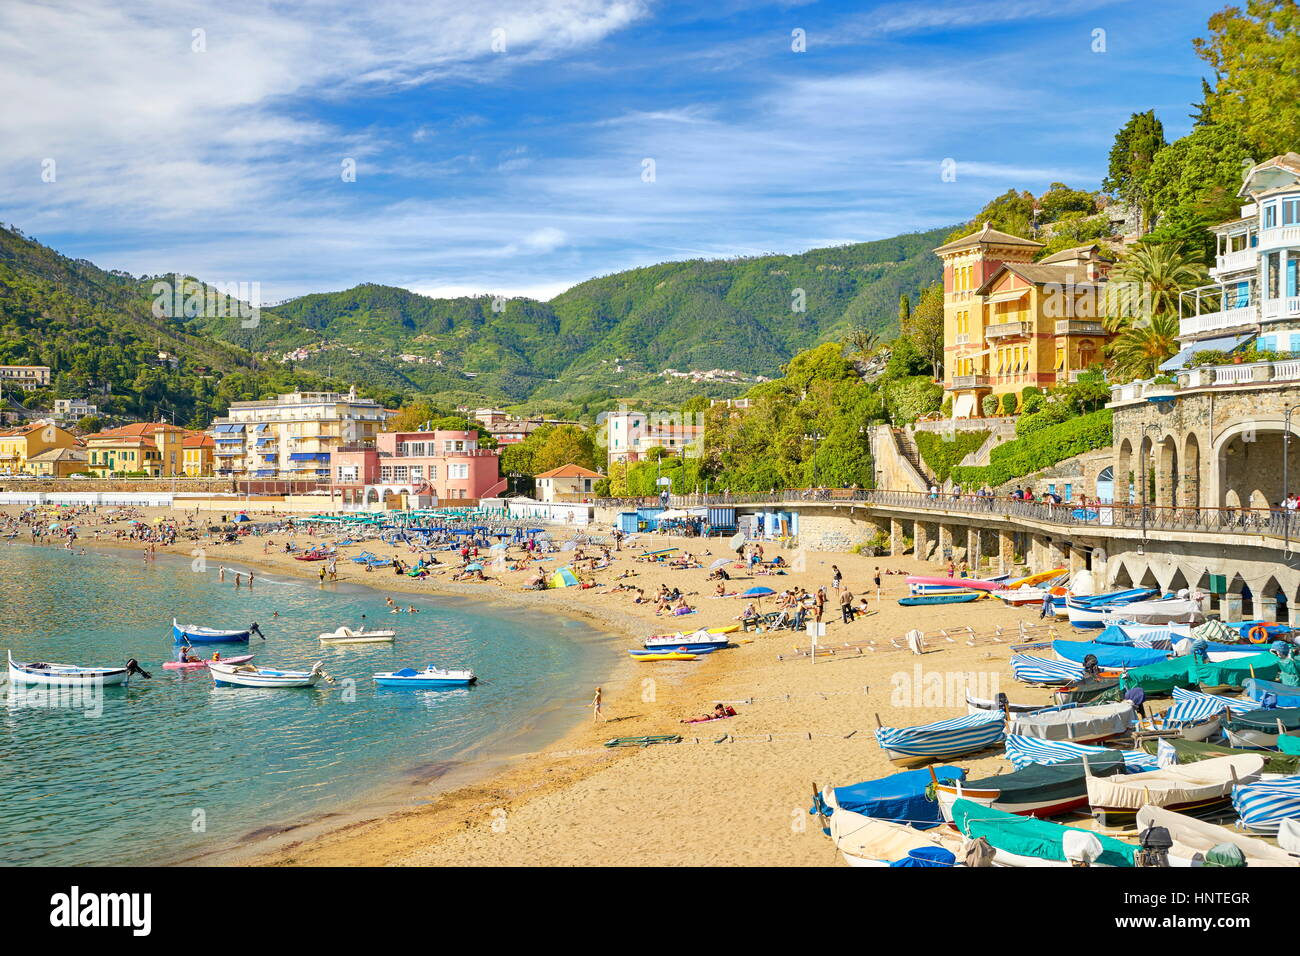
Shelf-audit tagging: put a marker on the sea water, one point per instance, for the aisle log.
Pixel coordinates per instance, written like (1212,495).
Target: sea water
(173,767)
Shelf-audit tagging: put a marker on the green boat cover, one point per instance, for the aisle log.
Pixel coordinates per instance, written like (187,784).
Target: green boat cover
(1190,751)
(1028,836)
(1187,672)
(1056,782)
(1290,746)
(1225,854)
(1266,720)
(1105,691)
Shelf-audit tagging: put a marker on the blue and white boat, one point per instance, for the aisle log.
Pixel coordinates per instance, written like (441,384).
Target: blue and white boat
(971,733)
(429,677)
(1110,656)
(252,675)
(194,634)
(1091,611)
(67,675)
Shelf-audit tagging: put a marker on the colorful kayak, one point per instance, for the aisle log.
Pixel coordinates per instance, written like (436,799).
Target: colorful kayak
(952,598)
(669,656)
(202,665)
(1038,578)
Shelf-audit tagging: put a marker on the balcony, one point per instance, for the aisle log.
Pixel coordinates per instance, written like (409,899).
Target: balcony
(1006,330)
(1286,308)
(1197,325)
(1239,261)
(960,382)
(1278,237)
(1079,327)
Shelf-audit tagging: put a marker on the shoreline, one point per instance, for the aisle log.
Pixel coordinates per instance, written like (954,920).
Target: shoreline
(738,798)
(423,784)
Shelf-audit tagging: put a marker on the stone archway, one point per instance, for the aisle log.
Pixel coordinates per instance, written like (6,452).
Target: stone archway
(1246,464)
(1191,479)
(1125,473)
(1165,453)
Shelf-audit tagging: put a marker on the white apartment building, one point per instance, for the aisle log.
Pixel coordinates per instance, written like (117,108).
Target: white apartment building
(293,436)
(67,409)
(1256,289)
(26,377)
(629,435)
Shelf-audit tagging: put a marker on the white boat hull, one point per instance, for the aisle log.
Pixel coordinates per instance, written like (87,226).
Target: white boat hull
(249,675)
(346,635)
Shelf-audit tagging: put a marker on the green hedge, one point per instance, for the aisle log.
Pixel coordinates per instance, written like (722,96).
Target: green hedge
(941,453)
(1042,449)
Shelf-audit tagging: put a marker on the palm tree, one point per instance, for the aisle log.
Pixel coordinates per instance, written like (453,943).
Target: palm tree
(1148,281)
(1141,348)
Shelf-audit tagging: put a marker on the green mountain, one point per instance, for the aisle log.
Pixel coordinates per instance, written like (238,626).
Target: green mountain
(606,339)
(98,333)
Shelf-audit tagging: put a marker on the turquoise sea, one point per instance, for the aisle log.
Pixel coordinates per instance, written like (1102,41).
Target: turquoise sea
(173,767)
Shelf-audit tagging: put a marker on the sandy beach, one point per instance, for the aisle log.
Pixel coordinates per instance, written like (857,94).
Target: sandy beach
(733,791)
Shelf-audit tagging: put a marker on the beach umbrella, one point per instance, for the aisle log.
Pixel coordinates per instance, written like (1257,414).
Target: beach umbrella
(756,592)
(499,546)
(737,540)
(719,563)
(474,567)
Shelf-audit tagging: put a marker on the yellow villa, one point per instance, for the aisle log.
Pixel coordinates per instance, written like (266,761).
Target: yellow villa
(199,454)
(18,446)
(151,447)
(1010,322)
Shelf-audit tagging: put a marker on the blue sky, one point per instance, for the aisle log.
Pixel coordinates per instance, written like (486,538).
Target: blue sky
(499,145)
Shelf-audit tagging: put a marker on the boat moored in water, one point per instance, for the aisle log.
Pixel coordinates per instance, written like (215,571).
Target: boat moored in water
(346,635)
(429,677)
(64,675)
(251,675)
(196,634)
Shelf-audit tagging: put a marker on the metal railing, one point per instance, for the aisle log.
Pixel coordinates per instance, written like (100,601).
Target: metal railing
(1262,521)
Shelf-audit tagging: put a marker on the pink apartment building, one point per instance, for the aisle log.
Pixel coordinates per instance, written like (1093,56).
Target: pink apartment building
(424,466)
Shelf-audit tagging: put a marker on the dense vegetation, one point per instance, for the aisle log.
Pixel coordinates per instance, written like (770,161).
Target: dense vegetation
(1038,450)
(942,453)
(97,332)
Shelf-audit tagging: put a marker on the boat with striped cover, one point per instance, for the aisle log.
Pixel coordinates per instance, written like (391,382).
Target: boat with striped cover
(1162,636)
(1199,789)
(1197,716)
(1077,723)
(1039,790)
(1194,838)
(1261,728)
(1263,805)
(970,733)
(1025,751)
(1112,656)
(1029,669)
(1026,841)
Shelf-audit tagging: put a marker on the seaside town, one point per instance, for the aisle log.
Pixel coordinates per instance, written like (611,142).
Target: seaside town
(970,547)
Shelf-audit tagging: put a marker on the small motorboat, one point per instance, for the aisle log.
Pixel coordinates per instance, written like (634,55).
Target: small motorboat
(346,635)
(66,675)
(429,677)
(195,634)
(201,665)
(250,675)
